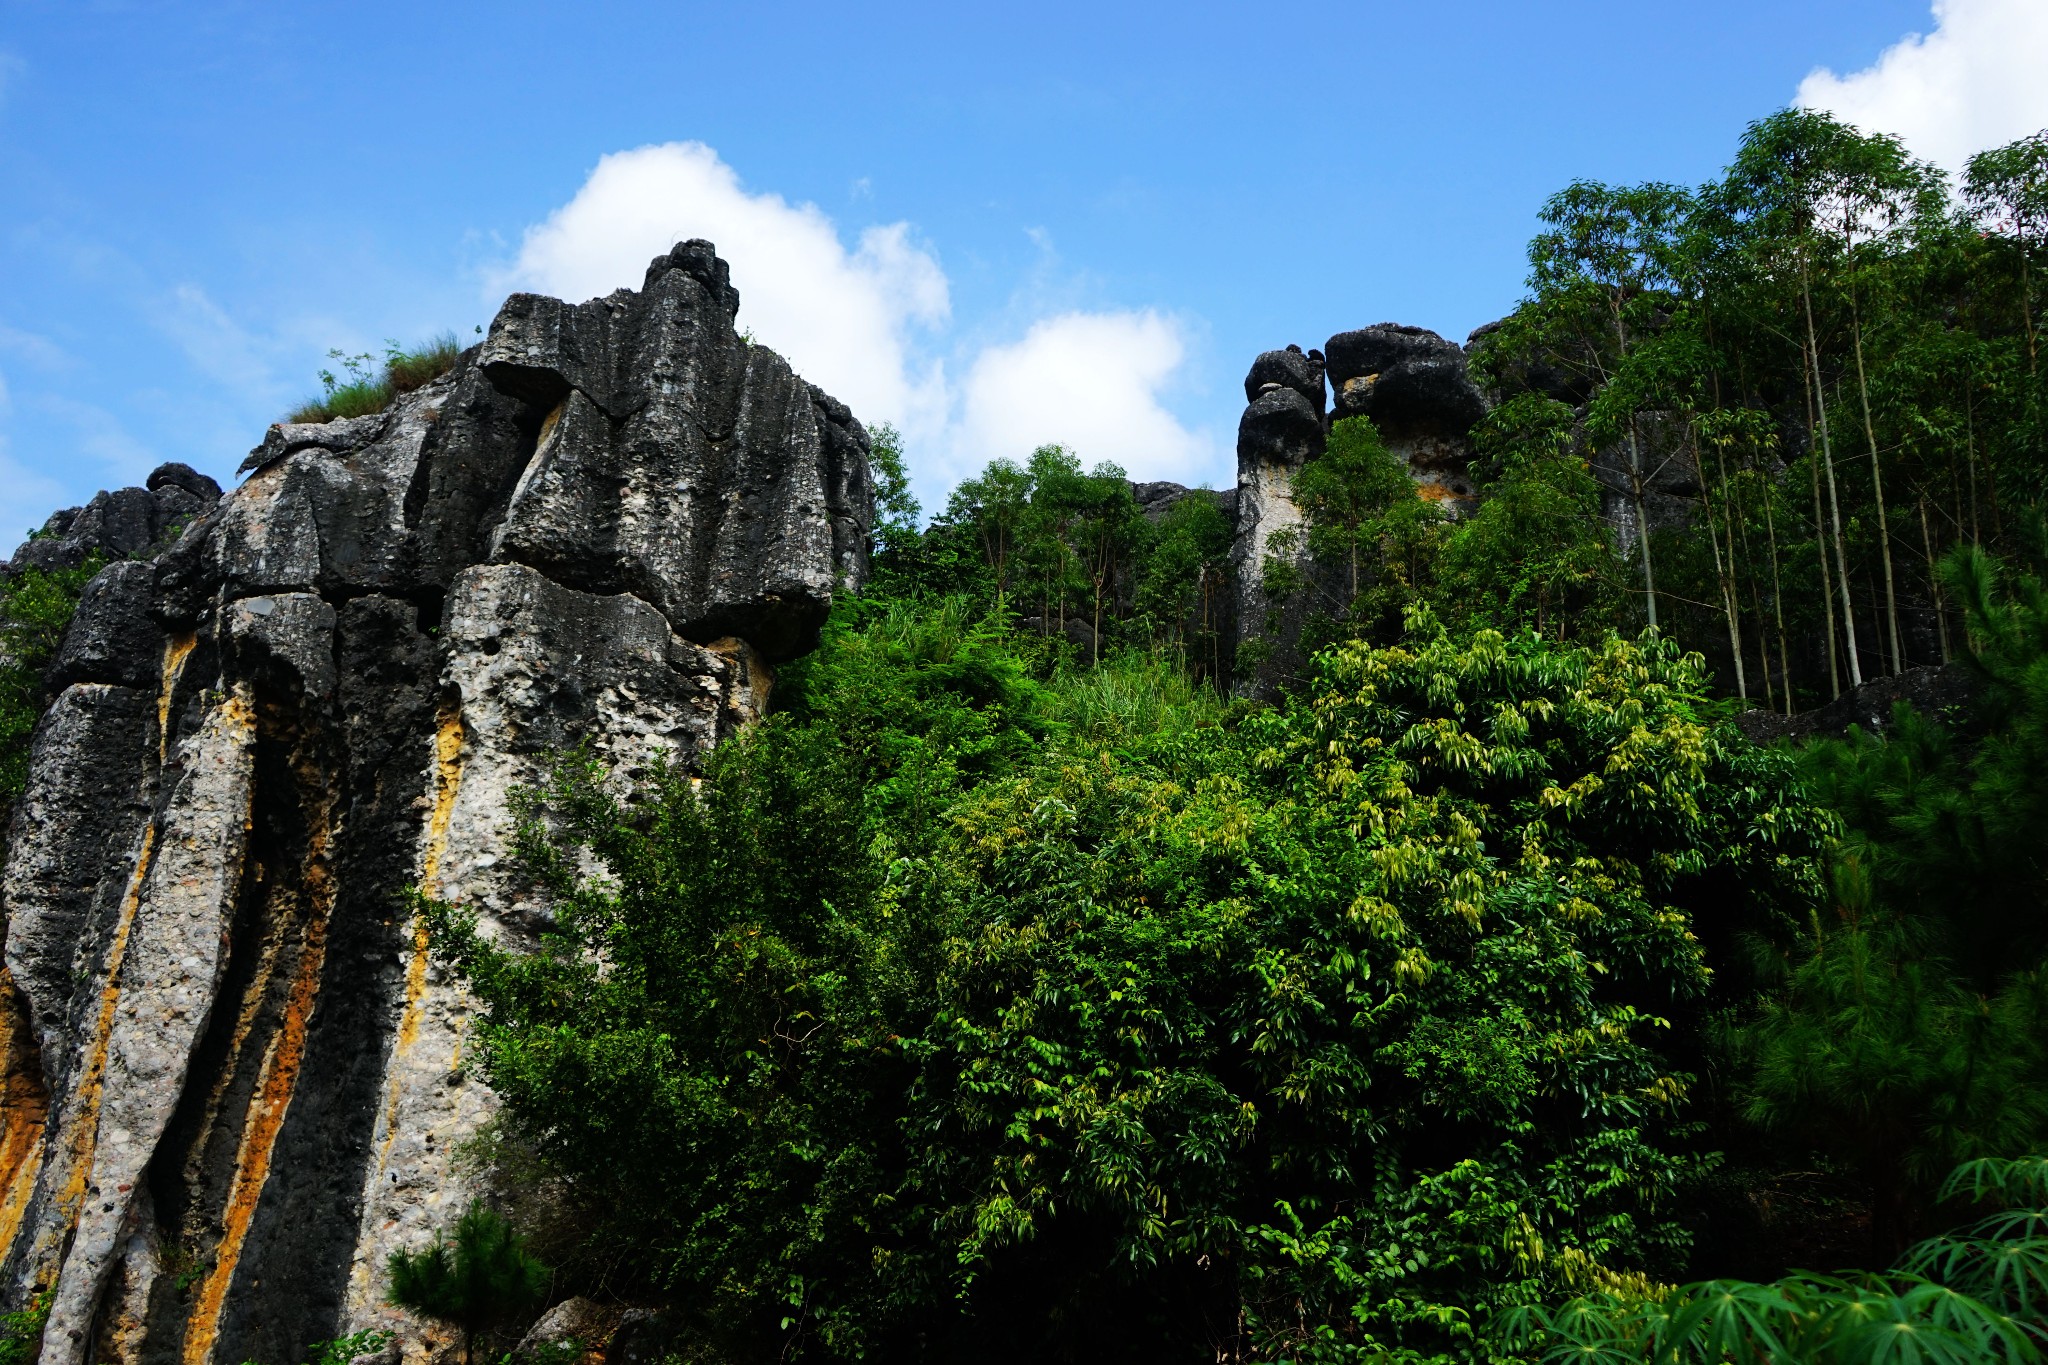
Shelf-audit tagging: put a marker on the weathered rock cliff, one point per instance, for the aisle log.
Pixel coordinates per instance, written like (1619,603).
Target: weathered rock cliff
(234,1073)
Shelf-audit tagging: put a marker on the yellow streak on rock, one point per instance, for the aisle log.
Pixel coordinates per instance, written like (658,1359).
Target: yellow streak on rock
(275,1084)
(24,1108)
(176,650)
(86,1123)
(449,734)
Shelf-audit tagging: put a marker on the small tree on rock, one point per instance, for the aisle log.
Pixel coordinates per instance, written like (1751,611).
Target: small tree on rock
(475,1281)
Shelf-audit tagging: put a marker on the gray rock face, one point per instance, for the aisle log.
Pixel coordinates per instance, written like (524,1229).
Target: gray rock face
(1415,387)
(1281,431)
(233,1070)
(650,396)
(120,524)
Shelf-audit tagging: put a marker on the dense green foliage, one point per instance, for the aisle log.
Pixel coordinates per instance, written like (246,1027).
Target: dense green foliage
(476,1279)
(1909,1030)
(1833,363)
(1974,1295)
(960,1004)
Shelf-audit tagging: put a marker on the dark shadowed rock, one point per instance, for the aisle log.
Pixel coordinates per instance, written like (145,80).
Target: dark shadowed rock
(184,476)
(1942,692)
(112,637)
(1404,378)
(117,525)
(1290,369)
(575,1328)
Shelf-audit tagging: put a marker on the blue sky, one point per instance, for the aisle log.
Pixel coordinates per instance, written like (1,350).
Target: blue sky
(995,226)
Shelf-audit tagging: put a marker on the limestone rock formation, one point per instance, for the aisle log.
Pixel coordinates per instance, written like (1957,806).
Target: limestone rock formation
(234,1072)
(1415,387)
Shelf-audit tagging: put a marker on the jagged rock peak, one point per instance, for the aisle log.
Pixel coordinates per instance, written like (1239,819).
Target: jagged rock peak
(121,523)
(224,1041)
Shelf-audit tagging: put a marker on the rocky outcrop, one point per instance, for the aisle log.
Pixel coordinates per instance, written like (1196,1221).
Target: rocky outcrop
(1416,389)
(1941,692)
(234,1073)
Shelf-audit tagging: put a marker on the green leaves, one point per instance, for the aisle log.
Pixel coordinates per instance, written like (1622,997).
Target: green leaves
(1952,1299)
(479,1278)
(1058,1010)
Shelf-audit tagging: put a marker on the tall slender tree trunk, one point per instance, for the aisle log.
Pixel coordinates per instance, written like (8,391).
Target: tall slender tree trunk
(1884,529)
(1635,485)
(1827,457)
(1970,447)
(1635,472)
(2027,303)
(1934,581)
(1721,573)
(1820,545)
(1778,601)
(1756,599)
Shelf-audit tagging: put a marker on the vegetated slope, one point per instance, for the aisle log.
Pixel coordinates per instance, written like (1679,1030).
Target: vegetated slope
(1013,993)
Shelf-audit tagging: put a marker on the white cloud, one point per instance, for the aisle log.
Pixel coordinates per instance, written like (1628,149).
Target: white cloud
(870,324)
(1977,81)
(1089,381)
(844,318)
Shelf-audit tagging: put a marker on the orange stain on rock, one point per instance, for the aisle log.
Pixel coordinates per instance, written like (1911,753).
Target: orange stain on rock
(85,1132)
(449,736)
(177,649)
(275,1085)
(24,1108)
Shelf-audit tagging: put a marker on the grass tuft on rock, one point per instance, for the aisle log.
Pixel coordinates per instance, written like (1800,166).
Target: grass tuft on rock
(360,389)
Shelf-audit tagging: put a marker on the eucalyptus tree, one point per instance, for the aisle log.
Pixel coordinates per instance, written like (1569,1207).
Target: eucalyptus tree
(1059,493)
(1777,205)
(2006,189)
(1605,275)
(994,505)
(1880,193)
(1108,533)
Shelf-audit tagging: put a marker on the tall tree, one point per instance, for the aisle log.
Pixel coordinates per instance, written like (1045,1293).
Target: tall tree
(2007,191)
(1603,271)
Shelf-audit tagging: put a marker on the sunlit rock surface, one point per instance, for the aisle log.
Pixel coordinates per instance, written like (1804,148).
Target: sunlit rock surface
(233,1075)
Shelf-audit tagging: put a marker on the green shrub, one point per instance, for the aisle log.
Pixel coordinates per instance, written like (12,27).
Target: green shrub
(1979,1294)
(21,1332)
(1093,1016)
(480,1279)
(362,389)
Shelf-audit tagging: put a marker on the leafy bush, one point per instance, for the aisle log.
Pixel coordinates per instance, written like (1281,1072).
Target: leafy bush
(1976,1295)
(956,1011)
